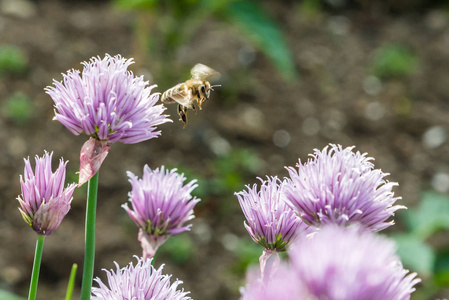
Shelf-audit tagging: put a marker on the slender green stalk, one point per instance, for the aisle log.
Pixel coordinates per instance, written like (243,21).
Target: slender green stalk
(89,250)
(69,293)
(36,267)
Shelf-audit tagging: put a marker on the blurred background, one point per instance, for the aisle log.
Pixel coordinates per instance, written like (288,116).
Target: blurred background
(296,75)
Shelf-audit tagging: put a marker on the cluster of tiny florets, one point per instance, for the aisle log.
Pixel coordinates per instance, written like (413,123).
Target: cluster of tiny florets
(140,282)
(340,186)
(44,201)
(106,101)
(340,201)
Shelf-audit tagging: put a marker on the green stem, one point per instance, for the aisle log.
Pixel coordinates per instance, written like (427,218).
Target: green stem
(89,250)
(69,293)
(36,267)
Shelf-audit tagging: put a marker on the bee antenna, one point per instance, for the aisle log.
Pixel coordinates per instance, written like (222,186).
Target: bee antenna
(212,86)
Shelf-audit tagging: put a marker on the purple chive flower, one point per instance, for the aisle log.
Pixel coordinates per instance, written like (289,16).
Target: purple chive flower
(349,263)
(44,201)
(140,282)
(161,204)
(271,223)
(107,102)
(284,284)
(341,186)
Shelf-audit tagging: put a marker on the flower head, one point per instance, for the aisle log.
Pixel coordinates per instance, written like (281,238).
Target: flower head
(107,102)
(161,204)
(271,223)
(349,263)
(44,201)
(341,186)
(140,282)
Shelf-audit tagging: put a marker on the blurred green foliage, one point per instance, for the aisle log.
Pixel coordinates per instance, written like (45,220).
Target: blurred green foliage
(229,173)
(441,271)
(232,170)
(263,32)
(311,10)
(415,253)
(4,295)
(18,108)
(393,61)
(176,22)
(12,61)
(247,253)
(430,218)
(136,4)
(179,249)
(201,190)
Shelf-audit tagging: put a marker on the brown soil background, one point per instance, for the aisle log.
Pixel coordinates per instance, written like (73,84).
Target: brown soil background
(328,105)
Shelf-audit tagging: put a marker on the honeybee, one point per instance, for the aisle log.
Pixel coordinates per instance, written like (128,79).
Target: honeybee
(197,88)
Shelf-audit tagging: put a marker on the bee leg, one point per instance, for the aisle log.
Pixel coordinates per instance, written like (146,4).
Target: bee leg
(194,108)
(182,112)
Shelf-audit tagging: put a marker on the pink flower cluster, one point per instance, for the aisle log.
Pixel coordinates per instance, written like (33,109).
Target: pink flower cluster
(335,203)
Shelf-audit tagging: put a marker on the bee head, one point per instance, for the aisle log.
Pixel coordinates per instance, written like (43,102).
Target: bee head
(204,90)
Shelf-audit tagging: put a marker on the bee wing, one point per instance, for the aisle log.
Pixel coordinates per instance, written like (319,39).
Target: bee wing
(185,100)
(200,71)
(177,94)
(180,95)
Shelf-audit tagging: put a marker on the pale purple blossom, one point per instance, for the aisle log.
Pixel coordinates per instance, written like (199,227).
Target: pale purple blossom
(160,206)
(107,102)
(270,222)
(349,263)
(44,202)
(139,282)
(342,187)
(284,284)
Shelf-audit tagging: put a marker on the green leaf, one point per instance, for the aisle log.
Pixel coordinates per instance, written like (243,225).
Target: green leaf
(442,269)
(136,4)
(415,254)
(71,284)
(394,61)
(430,216)
(254,22)
(4,295)
(12,60)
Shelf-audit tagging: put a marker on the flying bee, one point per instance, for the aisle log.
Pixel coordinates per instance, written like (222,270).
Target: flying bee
(197,88)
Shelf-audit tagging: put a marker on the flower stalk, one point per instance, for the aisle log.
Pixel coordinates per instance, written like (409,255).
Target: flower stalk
(269,263)
(89,250)
(36,267)
(70,285)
